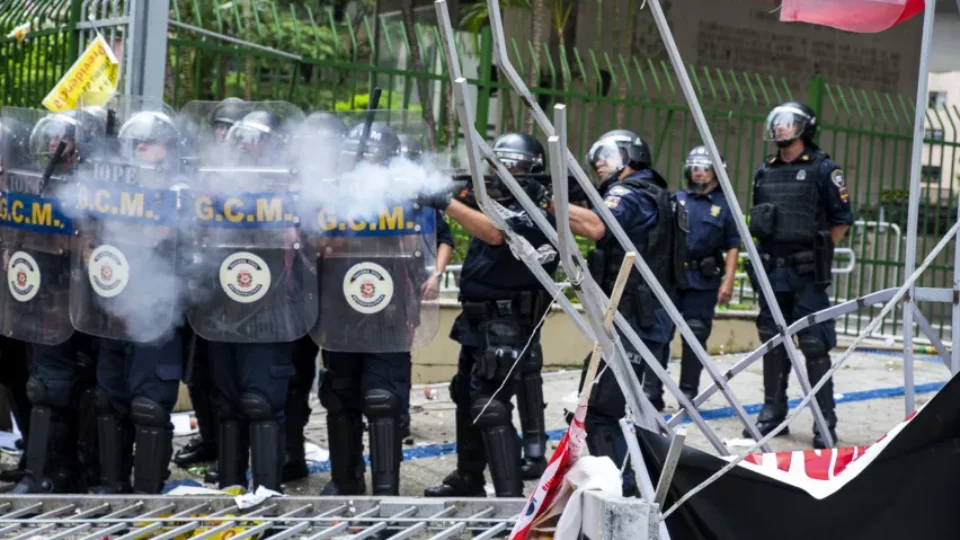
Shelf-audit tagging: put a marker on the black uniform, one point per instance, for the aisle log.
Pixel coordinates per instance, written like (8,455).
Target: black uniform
(796,205)
(642,205)
(502,303)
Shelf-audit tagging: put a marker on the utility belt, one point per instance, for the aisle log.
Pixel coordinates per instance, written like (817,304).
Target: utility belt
(710,266)
(525,307)
(816,262)
(504,328)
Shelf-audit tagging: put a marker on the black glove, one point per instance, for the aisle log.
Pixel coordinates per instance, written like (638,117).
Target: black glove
(538,193)
(439,200)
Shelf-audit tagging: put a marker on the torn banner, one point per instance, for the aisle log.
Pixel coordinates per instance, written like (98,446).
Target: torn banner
(904,486)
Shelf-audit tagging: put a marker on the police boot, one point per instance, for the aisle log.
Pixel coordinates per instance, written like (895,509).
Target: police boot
(50,467)
(501,444)
(88,443)
(530,404)
(345,435)
(382,409)
(233,454)
(818,364)
(690,365)
(266,443)
(459,484)
(154,441)
(296,415)
(116,452)
(776,370)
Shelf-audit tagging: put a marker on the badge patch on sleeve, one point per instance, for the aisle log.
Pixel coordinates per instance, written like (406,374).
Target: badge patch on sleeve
(618,191)
(837,178)
(612,201)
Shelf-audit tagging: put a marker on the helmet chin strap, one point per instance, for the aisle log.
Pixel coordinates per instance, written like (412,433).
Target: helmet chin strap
(704,188)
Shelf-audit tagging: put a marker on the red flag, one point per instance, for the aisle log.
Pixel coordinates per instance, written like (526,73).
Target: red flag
(860,16)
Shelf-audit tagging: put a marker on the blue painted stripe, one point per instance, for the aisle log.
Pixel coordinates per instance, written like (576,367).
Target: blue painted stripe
(446,449)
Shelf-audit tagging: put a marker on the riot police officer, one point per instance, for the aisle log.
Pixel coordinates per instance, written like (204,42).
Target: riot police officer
(712,249)
(360,379)
(14,353)
(61,453)
(412,150)
(138,377)
(251,338)
(801,210)
(230,111)
(638,198)
(502,304)
(322,132)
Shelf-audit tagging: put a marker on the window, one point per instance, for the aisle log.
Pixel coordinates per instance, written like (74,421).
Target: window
(931,174)
(937,100)
(933,134)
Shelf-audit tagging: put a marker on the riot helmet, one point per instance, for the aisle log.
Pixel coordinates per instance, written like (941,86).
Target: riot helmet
(615,151)
(789,122)
(382,144)
(148,137)
(46,137)
(256,134)
(519,153)
(410,148)
(699,170)
(325,124)
(14,143)
(227,113)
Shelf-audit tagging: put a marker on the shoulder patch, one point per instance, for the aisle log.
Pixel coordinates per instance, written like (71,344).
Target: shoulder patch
(612,201)
(837,178)
(618,191)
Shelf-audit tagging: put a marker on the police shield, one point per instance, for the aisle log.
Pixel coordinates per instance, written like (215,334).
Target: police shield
(124,283)
(35,233)
(377,248)
(252,276)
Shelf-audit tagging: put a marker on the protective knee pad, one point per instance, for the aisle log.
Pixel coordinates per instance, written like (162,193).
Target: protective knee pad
(383,411)
(37,390)
(501,444)
(766,333)
(813,348)
(102,401)
(147,412)
(699,329)
(380,403)
(256,408)
(460,390)
(533,361)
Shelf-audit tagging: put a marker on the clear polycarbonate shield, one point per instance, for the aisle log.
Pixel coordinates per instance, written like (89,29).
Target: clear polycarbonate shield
(251,275)
(377,248)
(35,231)
(125,282)
(785,123)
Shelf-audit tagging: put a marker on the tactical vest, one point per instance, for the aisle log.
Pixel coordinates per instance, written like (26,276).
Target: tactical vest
(663,248)
(792,189)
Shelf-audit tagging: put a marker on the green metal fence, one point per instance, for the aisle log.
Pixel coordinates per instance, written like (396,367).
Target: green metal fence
(305,56)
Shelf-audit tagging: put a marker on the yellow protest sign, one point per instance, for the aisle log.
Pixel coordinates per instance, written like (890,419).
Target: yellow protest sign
(96,72)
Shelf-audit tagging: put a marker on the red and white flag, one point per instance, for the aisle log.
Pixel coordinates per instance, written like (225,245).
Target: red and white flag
(549,493)
(860,16)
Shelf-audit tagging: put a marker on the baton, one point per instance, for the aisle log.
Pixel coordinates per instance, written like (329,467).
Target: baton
(371,113)
(54,161)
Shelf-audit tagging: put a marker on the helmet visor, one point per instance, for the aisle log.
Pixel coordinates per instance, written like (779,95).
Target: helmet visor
(248,139)
(605,158)
(785,124)
(516,162)
(47,135)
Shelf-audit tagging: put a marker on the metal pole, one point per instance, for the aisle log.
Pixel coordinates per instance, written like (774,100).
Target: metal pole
(914,205)
(147,42)
(507,69)
(731,195)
